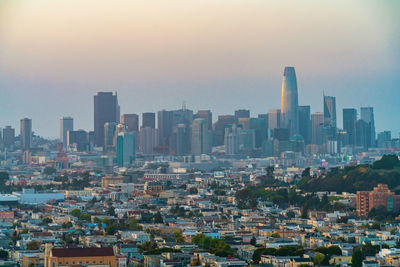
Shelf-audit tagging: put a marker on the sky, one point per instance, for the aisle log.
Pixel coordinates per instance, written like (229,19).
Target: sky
(220,55)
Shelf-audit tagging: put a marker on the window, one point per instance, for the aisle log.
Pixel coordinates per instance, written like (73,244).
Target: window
(66,262)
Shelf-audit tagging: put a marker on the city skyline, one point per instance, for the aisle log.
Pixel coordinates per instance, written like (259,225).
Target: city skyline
(180,51)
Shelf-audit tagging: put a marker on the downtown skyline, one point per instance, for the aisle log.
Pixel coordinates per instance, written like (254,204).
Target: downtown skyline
(157,62)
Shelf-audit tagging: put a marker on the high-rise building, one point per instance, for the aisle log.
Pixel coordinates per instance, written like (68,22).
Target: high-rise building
(242,113)
(380,196)
(205,114)
(349,124)
(165,121)
(149,119)
(125,148)
(109,134)
(148,140)
(384,139)
(317,127)
(8,137)
(200,137)
(367,115)
(106,109)
(260,127)
(26,133)
(274,119)
(305,123)
(223,122)
(180,140)
(77,140)
(363,133)
(131,121)
(330,112)
(231,140)
(66,124)
(289,101)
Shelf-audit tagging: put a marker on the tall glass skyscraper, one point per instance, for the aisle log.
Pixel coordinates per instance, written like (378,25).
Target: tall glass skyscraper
(349,124)
(106,109)
(367,115)
(66,124)
(289,101)
(330,112)
(26,133)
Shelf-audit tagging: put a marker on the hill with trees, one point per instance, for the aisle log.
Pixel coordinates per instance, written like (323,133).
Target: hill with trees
(357,178)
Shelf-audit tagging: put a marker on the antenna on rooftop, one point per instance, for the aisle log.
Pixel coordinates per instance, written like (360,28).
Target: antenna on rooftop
(184,105)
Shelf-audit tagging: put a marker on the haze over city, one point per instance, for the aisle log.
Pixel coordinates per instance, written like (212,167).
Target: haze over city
(218,55)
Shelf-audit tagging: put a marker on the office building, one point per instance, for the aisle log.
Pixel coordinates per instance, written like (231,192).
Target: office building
(181,140)
(289,101)
(242,113)
(148,140)
(125,148)
(349,124)
(274,119)
(223,122)
(26,133)
(384,139)
(330,112)
(231,140)
(66,124)
(305,123)
(165,122)
(106,109)
(317,127)
(200,138)
(363,134)
(149,119)
(8,137)
(205,114)
(367,115)
(77,140)
(109,134)
(260,127)
(131,121)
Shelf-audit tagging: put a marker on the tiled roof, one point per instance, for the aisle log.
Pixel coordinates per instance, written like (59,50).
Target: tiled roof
(82,252)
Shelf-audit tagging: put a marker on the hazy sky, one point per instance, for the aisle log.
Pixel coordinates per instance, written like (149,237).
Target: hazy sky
(221,55)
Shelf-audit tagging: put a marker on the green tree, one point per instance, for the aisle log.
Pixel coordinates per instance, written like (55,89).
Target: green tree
(32,245)
(356,258)
(158,218)
(319,259)
(76,212)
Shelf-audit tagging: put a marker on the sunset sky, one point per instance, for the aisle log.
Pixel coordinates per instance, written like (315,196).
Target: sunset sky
(220,55)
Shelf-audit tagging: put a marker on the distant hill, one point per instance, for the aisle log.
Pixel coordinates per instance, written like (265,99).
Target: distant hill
(357,178)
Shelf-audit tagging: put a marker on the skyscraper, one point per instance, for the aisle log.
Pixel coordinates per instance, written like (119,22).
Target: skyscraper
(77,140)
(349,124)
(8,137)
(109,133)
(317,126)
(66,124)
(131,122)
(106,109)
(125,148)
(220,125)
(148,140)
(289,101)
(330,112)
(205,114)
(305,123)
(26,133)
(242,113)
(200,137)
(149,119)
(274,119)
(165,123)
(367,115)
